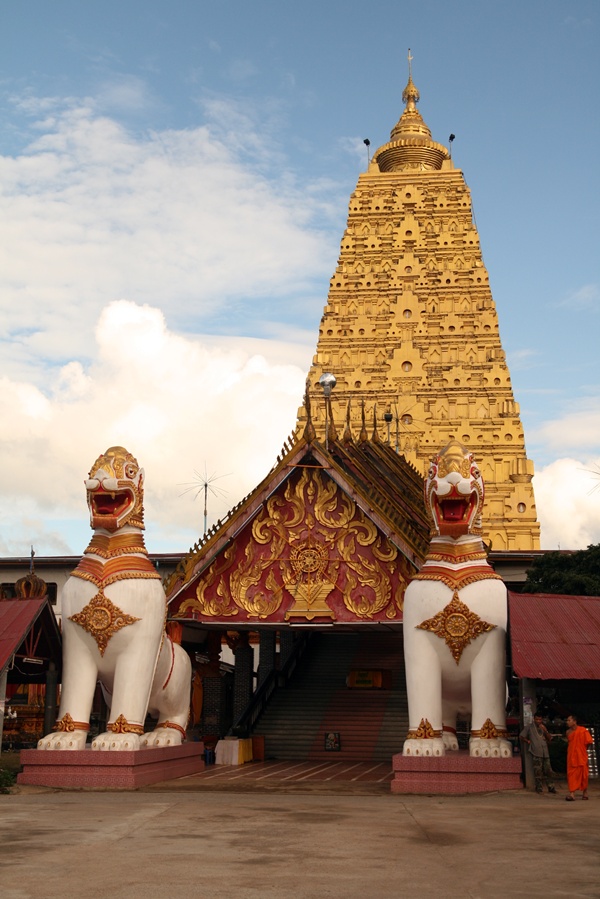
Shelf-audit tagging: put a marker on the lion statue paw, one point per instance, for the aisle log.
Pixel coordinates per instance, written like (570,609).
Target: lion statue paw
(430,747)
(162,736)
(110,742)
(450,742)
(64,740)
(494,748)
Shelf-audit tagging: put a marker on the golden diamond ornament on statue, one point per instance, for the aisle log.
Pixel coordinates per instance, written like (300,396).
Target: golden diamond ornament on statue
(102,618)
(457,625)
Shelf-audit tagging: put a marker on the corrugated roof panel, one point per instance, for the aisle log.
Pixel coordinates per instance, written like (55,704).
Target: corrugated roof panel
(16,617)
(555,637)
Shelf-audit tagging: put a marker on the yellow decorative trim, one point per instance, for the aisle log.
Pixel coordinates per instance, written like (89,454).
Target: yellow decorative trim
(122,726)
(67,725)
(489,731)
(457,625)
(102,618)
(424,732)
(172,725)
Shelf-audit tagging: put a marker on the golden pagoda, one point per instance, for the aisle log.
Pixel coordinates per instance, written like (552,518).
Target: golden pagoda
(410,326)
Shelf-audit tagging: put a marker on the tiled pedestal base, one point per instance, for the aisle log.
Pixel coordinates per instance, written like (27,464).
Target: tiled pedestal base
(88,769)
(456,772)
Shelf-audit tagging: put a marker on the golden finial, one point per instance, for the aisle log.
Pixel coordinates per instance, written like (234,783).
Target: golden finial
(410,94)
(411,146)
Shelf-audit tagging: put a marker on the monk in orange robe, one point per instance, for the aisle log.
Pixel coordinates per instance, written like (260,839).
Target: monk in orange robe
(577,758)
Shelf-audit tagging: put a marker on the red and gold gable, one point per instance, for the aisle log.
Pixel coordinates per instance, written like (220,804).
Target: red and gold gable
(310,555)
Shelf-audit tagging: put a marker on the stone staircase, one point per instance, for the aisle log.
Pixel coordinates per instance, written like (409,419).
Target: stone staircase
(372,724)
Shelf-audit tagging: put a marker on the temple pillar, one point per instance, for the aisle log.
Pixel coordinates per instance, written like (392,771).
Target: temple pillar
(243,678)
(527,695)
(3,681)
(50,698)
(213,687)
(213,707)
(268,653)
(286,645)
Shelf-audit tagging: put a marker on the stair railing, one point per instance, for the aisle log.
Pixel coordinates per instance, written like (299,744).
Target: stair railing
(276,678)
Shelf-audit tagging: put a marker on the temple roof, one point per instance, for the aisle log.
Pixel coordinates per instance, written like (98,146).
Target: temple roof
(386,487)
(29,634)
(555,637)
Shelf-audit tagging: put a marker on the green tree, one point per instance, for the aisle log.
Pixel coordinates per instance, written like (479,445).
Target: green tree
(572,573)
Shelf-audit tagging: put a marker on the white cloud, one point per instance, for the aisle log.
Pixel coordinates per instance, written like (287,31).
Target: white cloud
(523,359)
(182,220)
(175,402)
(586,297)
(568,503)
(578,431)
(185,223)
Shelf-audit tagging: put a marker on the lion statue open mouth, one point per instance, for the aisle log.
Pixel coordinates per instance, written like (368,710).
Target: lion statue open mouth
(114,613)
(455,616)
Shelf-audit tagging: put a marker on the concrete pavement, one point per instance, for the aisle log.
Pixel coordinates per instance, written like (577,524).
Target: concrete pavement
(291,845)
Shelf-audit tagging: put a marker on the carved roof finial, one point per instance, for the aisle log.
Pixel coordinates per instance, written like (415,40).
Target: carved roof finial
(309,428)
(375,438)
(347,438)
(363,436)
(331,429)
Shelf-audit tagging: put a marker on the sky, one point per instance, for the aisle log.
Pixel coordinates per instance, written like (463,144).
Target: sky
(174,186)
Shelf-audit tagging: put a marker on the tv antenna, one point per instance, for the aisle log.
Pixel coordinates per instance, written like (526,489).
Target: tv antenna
(205,484)
(595,472)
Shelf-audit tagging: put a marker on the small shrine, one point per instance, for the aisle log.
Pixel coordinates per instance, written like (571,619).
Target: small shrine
(30,662)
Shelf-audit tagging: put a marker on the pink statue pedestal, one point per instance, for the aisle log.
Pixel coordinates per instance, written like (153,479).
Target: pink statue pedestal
(89,769)
(456,772)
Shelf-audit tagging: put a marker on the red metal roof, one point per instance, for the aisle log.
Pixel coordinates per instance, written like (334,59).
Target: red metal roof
(555,637)
(16,618)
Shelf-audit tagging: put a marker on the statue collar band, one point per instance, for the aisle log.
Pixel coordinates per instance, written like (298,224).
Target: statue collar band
(117,557)
(456,563)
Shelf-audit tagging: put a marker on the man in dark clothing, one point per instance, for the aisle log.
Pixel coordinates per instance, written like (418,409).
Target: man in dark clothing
(536,736)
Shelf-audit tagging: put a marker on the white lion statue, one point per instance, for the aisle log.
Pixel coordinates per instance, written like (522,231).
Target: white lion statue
(114,613)
(455,614)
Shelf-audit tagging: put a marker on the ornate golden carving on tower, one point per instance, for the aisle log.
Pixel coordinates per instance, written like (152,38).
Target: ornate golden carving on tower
(410,326)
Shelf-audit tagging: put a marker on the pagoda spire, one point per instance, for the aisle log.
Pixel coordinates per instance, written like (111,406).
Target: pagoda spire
(410,323)
(410,146)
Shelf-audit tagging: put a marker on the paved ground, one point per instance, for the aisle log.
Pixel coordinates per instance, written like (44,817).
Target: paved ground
(173,841)
(288,777)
